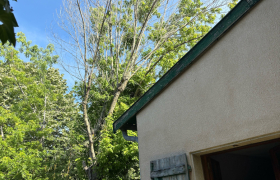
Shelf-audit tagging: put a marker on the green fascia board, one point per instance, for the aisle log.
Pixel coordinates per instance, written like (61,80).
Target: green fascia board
(236,13)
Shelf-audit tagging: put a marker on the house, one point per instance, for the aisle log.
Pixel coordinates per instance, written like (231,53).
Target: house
(216,114)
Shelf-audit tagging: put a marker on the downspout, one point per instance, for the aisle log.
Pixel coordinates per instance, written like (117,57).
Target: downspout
(129,138)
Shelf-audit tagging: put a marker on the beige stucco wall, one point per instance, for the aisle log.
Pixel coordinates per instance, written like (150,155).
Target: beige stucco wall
(230,95)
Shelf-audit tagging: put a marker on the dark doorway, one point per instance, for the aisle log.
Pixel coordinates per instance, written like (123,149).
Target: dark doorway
(257,162)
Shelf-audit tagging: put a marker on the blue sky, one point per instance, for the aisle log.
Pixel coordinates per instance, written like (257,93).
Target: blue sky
(34,18)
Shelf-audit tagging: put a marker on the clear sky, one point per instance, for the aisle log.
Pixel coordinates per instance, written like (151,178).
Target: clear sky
(34,18)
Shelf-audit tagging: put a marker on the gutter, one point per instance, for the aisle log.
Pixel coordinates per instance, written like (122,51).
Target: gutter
(129,138)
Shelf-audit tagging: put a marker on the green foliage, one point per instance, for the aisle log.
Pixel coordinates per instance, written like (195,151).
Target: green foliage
(232,4)
(8,23)
(19,159)
(198,20)
(38,117)
(117,158)
(44,134)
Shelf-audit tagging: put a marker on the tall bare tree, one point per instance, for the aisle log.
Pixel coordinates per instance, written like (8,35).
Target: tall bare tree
(112,40)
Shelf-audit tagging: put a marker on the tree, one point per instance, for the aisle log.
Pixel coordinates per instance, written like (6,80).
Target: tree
(116,157)
(232,4)
(111,42)
(8,23)
(37,117)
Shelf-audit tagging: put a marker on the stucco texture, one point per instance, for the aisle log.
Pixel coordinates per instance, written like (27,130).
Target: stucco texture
(230,94)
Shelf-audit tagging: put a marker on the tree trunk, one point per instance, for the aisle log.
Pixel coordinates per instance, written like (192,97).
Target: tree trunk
(44,120)
(91,173)
(120,89)
(2,132)
(90,138)
(89,170)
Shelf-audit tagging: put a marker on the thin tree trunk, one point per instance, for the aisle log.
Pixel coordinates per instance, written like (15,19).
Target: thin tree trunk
(44,116)
(44,119)
(120,89)
(92,175)
(137,91)
(100,121)
(114,102)
(2,132)
(90,138)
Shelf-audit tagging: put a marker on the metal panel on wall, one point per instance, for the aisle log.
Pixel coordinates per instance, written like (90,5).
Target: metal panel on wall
(170,168)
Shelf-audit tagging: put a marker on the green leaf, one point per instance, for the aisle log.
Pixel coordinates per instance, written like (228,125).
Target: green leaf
(8,23)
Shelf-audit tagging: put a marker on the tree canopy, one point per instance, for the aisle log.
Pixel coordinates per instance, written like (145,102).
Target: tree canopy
(115,50)
(37,116)
(119,49)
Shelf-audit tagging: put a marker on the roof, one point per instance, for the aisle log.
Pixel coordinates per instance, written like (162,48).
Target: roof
(128,119)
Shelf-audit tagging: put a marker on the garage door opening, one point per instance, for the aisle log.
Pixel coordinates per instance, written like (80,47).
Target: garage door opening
(259,161)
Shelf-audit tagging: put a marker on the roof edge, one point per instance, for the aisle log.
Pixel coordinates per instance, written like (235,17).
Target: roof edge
(231,18)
